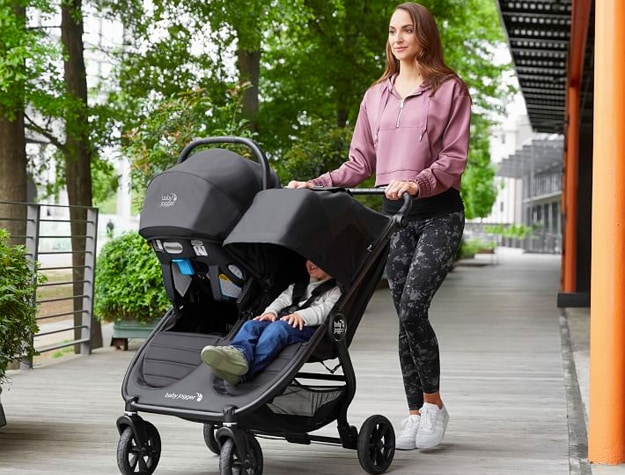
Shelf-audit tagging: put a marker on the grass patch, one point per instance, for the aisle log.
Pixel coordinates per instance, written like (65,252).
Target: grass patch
(63,351)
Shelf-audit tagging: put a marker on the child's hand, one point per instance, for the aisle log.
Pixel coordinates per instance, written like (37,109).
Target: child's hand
(266,317)
(295,320)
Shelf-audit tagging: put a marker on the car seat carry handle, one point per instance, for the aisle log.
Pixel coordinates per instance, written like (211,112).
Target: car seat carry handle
(258,153)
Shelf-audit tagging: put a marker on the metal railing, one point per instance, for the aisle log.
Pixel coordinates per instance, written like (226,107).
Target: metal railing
(539,240)
(48,244)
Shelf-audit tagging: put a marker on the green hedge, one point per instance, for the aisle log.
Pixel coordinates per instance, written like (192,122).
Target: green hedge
(18,309)
(129,282)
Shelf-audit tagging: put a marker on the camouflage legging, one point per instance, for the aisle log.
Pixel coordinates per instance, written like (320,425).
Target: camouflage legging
(420,257)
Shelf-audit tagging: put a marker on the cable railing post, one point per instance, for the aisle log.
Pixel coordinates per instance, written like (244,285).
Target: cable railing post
(33,214)
(89,279)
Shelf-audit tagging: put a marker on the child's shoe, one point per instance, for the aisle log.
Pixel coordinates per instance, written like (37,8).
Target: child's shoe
(227,362)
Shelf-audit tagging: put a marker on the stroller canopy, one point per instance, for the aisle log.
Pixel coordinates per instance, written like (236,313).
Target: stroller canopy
(330,228)
(204,196)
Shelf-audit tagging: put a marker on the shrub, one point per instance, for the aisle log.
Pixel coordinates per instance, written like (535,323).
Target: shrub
(321,148)
(18,310)
(129,282)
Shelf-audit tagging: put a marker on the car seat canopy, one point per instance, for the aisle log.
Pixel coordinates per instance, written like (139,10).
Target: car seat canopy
(204,196)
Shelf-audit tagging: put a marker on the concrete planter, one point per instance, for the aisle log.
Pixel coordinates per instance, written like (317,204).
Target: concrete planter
(125,330)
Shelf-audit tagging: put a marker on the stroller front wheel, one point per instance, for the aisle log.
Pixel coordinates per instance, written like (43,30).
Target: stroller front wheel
(376,444)
(134,459)
(208,432)
(230,463)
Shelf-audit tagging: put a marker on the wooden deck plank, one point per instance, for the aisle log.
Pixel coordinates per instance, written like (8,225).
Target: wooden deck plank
(502,381)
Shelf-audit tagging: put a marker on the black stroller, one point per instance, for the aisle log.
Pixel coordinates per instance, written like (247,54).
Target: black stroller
(229,239)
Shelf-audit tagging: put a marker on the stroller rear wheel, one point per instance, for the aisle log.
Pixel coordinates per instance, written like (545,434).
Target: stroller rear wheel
(376,444)
(133,459)
(231,464)
(208,432)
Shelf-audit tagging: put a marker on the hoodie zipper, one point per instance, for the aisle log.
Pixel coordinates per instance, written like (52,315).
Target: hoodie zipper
(401,109)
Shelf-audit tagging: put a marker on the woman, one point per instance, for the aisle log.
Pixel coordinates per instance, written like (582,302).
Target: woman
(412,131)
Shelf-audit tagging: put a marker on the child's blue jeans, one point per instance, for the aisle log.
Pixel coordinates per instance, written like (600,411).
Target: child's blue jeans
(261,341)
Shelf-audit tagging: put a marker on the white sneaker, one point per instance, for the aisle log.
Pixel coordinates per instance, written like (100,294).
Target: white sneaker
(407,438)
(432,427)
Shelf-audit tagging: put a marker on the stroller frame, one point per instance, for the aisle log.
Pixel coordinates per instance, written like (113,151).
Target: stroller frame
(228,432)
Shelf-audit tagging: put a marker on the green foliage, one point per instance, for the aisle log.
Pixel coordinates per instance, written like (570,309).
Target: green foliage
(155,144)
(318,67)
(129,282)
(321,148)
(479,191)
(470,247)
(105,182)
(18,310)
(25,53)
(512,231)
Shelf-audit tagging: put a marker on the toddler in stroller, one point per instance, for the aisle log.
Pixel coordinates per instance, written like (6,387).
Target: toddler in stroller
(291,318)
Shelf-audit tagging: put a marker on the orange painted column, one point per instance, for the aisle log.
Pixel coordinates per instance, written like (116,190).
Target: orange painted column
(606,435)
(571,172)
(580,16)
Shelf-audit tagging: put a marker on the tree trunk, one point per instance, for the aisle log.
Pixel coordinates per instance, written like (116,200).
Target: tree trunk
(13,182)
(13,178)
(78,153)
(248,63)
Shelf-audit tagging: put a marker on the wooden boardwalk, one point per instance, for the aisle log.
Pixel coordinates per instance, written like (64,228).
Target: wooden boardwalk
(502,380)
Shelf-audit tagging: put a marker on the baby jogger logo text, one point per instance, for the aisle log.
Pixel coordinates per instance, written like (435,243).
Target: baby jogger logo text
(168,200)
(184,397)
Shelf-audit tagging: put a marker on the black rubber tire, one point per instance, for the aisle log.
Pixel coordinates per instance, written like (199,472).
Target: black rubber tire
(257,455)
(208,431)
(231,464)
(376,444)
(132,459)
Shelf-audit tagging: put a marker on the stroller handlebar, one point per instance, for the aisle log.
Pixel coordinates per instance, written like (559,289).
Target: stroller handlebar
(403,211)
(258,153)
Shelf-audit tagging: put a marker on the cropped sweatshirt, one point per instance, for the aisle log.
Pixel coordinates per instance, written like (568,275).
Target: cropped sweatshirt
(423,138)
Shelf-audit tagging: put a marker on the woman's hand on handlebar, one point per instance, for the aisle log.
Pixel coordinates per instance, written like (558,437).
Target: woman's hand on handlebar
(300,184)
(396,189)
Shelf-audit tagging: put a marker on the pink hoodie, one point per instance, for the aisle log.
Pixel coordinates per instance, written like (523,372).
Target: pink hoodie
(420,138)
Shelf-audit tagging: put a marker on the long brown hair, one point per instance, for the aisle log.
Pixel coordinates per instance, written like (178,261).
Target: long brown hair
(430,58)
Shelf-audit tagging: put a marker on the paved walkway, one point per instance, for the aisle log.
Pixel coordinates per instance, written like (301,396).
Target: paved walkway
(507,379)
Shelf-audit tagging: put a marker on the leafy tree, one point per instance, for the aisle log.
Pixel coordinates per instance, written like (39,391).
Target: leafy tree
(23,56)
(155,144)
(58,112)
(180,46)
(77,150)
(319,66)
(479,191)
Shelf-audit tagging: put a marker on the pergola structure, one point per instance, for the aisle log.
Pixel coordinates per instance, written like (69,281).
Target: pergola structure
(534,157)
(551,42)
(569,56)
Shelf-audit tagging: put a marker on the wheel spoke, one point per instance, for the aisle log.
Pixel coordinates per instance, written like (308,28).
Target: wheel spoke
(132,461)
(134,456)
